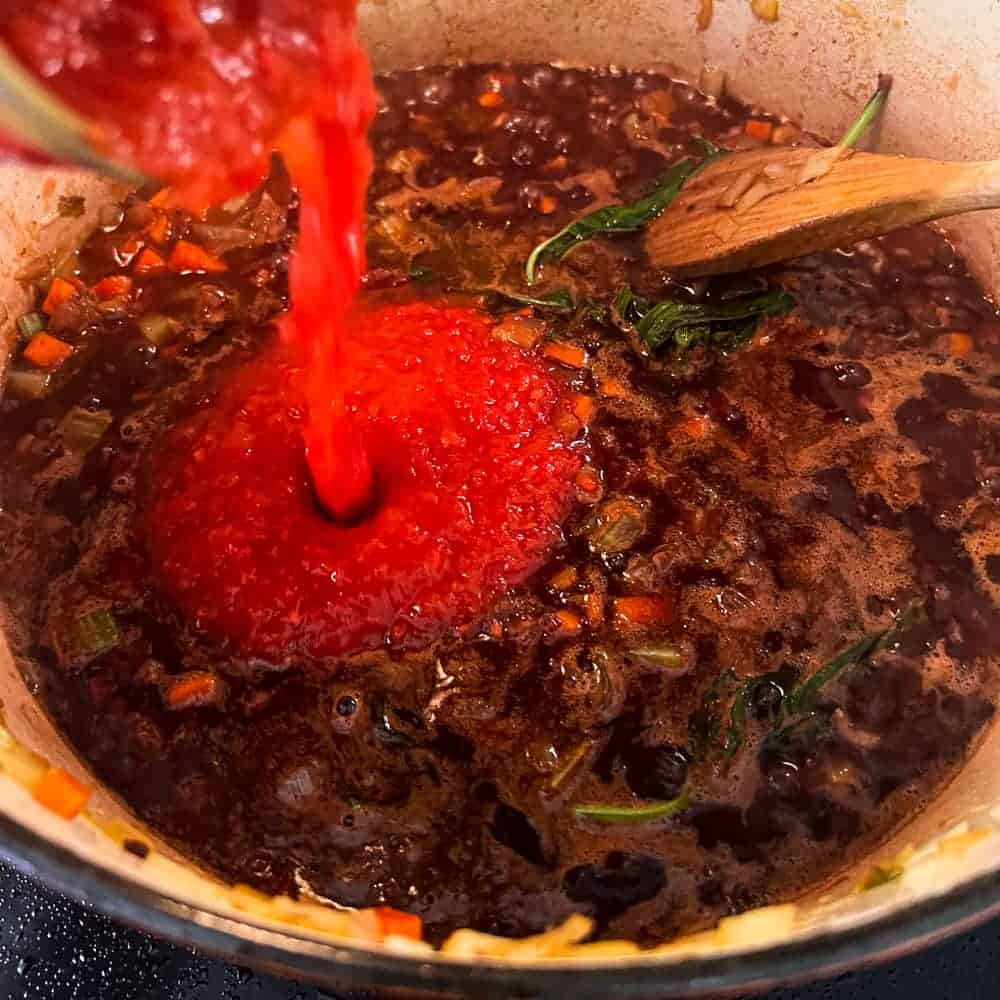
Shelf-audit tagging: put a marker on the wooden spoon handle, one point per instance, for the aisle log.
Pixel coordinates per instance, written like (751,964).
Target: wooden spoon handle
(863,195)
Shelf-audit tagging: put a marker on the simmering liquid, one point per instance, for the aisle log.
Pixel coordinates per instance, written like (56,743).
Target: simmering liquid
(585,653)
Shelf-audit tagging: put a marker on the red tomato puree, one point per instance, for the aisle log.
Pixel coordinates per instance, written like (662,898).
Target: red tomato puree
(417,418)
(472,481)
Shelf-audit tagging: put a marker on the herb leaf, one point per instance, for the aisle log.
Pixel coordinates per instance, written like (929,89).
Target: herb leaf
(682,325)
(634,814)
(705,722)
(738,715)
(558,301)
(782,679)
(628,218)
(802,698)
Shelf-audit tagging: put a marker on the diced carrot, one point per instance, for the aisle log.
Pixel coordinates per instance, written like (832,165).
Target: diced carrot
(566,354)
(46,351)
(583,407)
(190,257)
(159,229)
(495,630)
(61,793)
(566,622)
(757,129)
(491,99)
(554,165)
(588,481)
(642,610)
(61,290)
(113,286)
(613,388)
(786,135)
(161,199)
(547,204)
(149,262)
(192,690)
(694,427)
(960,344)
(396,923)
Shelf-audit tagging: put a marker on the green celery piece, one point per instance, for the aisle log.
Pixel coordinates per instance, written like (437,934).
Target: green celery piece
(95,633)
(31,323)
(615,219)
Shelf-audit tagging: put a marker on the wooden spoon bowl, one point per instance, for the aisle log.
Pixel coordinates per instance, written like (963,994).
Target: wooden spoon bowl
(862,195)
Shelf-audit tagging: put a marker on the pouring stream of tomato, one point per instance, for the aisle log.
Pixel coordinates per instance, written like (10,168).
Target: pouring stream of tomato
(197,94)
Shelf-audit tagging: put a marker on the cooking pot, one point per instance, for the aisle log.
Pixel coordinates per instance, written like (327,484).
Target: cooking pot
(815,63)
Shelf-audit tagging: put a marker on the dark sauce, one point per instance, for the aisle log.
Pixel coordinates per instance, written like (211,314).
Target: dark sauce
(784,500)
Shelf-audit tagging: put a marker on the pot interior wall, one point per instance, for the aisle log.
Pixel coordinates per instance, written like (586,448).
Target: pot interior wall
(816,64)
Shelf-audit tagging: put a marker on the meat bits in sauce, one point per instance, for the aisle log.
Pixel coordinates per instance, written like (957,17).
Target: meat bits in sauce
(763,635)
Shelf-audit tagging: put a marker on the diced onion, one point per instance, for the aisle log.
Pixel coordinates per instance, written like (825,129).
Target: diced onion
(22,384)
(754,196)
(737,189)
(158,329)
(712,81)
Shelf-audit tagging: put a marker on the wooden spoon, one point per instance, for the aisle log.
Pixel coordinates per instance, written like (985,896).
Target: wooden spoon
(862,195)
(40,122)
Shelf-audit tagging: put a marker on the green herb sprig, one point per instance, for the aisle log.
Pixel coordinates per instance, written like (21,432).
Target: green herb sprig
(616,219)
(869,113)
(558,301)
(682,325)
(624,815)
(802,698)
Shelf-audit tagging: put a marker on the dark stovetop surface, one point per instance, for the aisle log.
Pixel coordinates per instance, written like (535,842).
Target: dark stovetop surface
(52,949)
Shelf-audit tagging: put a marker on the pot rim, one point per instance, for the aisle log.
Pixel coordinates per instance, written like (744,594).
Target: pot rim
(887,937)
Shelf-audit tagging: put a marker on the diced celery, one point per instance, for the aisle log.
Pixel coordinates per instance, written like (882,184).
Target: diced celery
(24,384)
(159,329)
(95,633)
(82,429)
(31,323)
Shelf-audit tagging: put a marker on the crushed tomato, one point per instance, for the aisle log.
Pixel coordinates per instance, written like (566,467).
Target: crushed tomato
(473,480)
